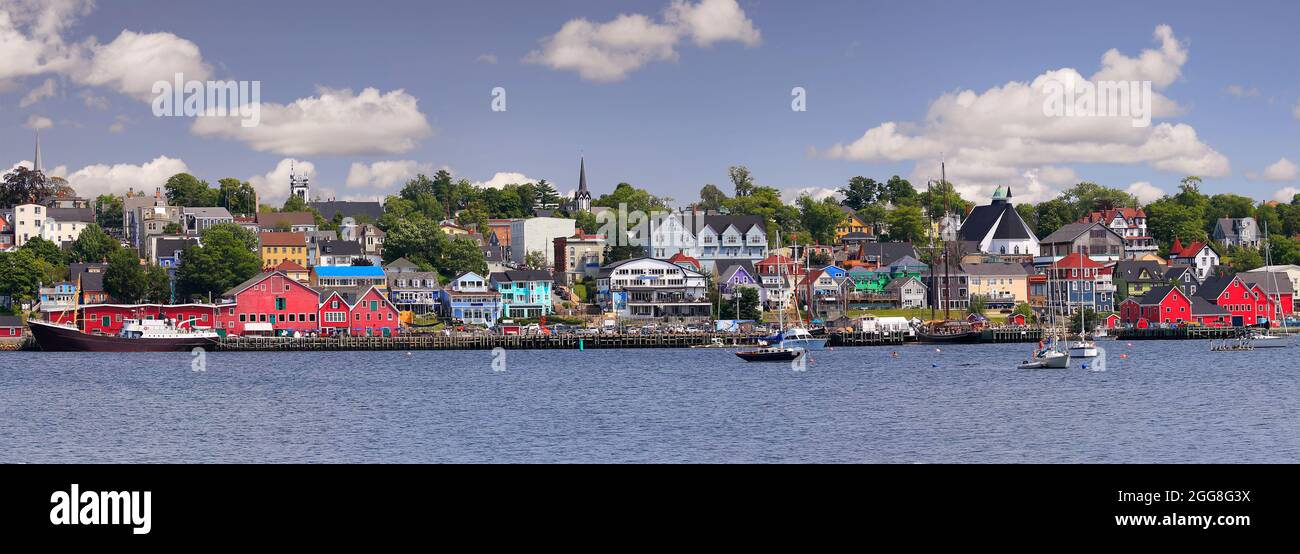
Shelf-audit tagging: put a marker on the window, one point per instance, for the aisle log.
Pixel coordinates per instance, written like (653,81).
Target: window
(279,303)
(374,306)
(106,321)
(358,317)
(243,318)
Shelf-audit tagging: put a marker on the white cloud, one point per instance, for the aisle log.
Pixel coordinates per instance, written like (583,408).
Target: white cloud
(1145,192)
(93,180)
(1002,137)
(45,90)
(713,21)
(1282,170)
(336,122)
(94,101)
(36,122)
(273,187)
(133,62)
(1285,194)
(609,51)
(501,179)
(1242,92)
(30,41)
(487,58)
(791,195)
(119,124)
(385,175)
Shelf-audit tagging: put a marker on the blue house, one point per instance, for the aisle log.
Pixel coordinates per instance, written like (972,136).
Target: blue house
(524,293)
(469,298)
(736,275)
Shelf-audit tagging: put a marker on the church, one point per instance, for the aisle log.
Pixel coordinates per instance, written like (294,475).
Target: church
(998,228)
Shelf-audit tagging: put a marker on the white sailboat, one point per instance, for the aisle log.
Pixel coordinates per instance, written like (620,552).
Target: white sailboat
(1084,348)
(782,349)
(798,336)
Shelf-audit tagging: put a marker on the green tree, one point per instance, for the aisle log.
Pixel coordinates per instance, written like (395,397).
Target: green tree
(766,202)
(294,203)
(535,260)
(158,285)
(183,189)
(237,197)
(875,216)
(93,245)
(820,218)
(462,254)
(546,195)
(978,304)
(1030,214)
(1245,259)
(108,211)
(1169,219)
(22,272)
(46,250)
(943,198)
(1052,215)
(711,198)
(227,258)
(901,191)
(749,306)
(861,192)
(124,278)
(741,180)
(907,224)
(1024,309)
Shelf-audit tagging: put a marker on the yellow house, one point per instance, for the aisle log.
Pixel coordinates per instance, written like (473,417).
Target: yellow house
(453,229)
(279,247)
(1002,284)
(852,224)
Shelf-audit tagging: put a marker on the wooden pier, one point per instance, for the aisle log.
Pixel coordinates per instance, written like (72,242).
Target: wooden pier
(1012,334)
(1183,333)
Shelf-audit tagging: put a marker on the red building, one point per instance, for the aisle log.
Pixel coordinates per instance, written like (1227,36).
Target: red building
(335,311)
(374,315)
(271,301)
(11,326)
(1167,305)
(1245,304)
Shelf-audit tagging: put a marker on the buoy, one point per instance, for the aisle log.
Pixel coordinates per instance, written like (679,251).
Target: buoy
(1084,365)
(934,365)
(408,353)
(894,354)
(1129,344)
(1123,356)
(938,350)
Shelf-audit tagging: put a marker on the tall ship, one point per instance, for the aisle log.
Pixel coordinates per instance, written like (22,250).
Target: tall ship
(149,335)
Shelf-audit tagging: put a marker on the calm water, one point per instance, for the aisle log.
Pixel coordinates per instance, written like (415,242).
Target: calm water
(1167,402)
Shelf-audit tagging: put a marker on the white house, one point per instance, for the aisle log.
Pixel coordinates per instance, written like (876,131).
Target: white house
(649,288)
(27,221)
(714,240)
(998,228)
(538,234)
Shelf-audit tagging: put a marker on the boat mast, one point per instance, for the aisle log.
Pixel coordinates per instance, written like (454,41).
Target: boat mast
(943,181)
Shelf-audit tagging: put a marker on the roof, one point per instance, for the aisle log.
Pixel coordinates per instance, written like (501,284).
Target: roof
(168,247)
(283,239)
(349,271)
(10,321)
(1156,295)
(1226,227)
(1189,251)
(1214,285)
(1271,283)
(339,248)
(71,214)
(270,220)
(426,276)
(1106,216)
(257,279)
(994,268)
(208,212)
(907,261)
(327,209)
(898,282)
(811,277)
(719,223)
(1177,272)
(608,270)
(91,281)
(290,265)
(1075,260)
(1000,212)
(1131,270)
(1071,231)
(727,271)
(520,276)
(401,263)
(891,252)
(680,258)
(1201,306)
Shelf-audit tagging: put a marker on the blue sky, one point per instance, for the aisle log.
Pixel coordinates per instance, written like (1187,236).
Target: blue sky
(707,93)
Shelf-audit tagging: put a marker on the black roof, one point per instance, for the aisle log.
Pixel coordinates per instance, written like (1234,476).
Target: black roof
(520,275)
(1131,270)
(71,214)
(327,209)
(1001,213)
(169,247)
(890,252)
(1201,306)
(1213,286)
(339,248)
(1155,295)
(10,321)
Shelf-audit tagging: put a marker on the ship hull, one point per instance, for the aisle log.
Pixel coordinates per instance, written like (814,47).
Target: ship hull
(54,338)
(967,337)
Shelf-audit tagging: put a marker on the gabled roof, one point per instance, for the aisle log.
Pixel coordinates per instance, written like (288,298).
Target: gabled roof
(1201,306)
(890,252)
(170,246)
(899,282)
(1072,231)
(1075,260)
(262,277)
(731,269)
(1010,226)
(84,215)
(811,277)
(327,209)
(10,321)
(1132,271)
(288,238)
(679,258)
(1214,286)
(1157,295)
(401,263)
(907,261)
(271,220)
(289,265)
(520,276)
(1271,283)
(339,248)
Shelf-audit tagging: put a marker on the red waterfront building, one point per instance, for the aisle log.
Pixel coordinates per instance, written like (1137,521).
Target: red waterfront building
(1165,305)
(1245,304)
(271,301)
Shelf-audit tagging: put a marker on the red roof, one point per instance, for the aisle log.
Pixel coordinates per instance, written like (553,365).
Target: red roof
(284,239)
(1075,261)
(679,258)
(289,265)
(1106,216)
(1190,251)
(811,277)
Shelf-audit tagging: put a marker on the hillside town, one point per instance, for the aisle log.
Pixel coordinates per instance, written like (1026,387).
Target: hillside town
(443,254)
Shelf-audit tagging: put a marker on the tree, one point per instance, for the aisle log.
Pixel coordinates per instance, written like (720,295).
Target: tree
(1030,214)
(978,304)
(1052,215)
(294,203)
(93,245)
(46,250)
(158,285)
(820,218)
(183,189)
(108,211)
(900,191)
(943,198)
(21,274)
(747,298)
(1245,259)
(1169,219)
(462,254)
(124,278)
(766,202)
(741,180)
(1024,309)
(875,216)
(907,224)
(227,258)
(861,192)
(237,197)
(546,195)
(535,259)
(24,186)
(711,198)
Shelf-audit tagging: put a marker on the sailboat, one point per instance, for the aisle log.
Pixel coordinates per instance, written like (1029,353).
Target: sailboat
(781,352)
(1278,341)
(797,336)
(1048,355)
(1084,348)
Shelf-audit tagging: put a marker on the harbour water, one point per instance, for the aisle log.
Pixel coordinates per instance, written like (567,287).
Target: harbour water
(1157,401)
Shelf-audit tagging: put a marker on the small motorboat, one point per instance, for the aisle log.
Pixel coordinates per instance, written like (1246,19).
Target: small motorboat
(772,354)
(1083,349)
(798,337)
